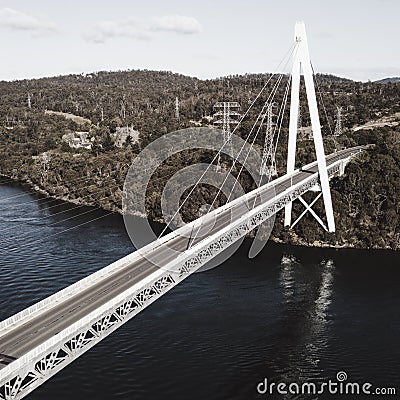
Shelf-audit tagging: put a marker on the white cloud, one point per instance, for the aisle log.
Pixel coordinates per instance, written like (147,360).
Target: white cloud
(17,20)
(131,28)
(142,28)
(176,23)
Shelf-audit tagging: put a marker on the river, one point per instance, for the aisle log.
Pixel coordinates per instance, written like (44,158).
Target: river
(292,314)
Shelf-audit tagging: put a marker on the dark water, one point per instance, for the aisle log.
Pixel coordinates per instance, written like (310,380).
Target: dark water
(219,333)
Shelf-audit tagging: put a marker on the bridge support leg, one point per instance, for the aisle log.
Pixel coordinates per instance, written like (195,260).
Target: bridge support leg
(302,61)
(312,212)
(293,124)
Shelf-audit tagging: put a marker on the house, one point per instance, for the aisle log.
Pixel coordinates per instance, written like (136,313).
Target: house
(78,140)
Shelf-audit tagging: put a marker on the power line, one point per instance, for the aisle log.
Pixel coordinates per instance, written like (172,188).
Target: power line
(61,232)
(69,209)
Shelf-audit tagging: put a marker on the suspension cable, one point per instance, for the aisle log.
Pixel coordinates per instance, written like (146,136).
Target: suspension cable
(262,112)
(323,105)
(268,101)
(281,120)
(279,123)
(226,141)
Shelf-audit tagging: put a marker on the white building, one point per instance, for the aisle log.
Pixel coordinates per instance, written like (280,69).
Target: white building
(78,140)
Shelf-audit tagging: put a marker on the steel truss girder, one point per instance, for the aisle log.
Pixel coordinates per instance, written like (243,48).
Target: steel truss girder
(65,347)
(56,358)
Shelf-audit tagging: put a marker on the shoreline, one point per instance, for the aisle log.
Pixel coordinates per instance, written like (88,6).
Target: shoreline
(299,242)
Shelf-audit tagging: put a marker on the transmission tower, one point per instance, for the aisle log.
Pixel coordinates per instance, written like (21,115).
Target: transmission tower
(123,110)
(226,115)
(45,163)
(177,109)
(226,110)
(338,127)
(268,166)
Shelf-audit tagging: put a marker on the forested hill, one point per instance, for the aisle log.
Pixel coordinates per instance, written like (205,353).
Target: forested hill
(146,99)
(35,114)
(389,80)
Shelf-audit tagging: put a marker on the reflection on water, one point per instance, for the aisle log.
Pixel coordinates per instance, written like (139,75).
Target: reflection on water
(325,291)
(290,314)
(287,278)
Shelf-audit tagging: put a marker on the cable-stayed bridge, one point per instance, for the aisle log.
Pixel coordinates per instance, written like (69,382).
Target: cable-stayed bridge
(41,340)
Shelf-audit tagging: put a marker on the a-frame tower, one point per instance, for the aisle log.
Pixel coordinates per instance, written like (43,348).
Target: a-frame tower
(302,64)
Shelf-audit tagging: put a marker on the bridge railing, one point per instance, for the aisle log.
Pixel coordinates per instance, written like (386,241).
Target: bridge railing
(177,269)
(51,301)
(187,258)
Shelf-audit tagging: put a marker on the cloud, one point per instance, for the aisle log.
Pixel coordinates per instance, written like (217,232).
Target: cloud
(16,20)
(131,28)
(177,24)
(142,28)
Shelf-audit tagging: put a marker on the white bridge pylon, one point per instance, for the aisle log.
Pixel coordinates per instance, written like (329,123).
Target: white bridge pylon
(302,63)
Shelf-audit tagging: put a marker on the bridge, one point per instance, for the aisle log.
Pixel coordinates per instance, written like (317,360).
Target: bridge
(41,340)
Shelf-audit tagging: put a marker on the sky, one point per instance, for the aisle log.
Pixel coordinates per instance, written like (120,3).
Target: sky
(357,39)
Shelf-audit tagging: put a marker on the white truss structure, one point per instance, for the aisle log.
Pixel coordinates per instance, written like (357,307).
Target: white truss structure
(302,63)
(226,110)
(268,165)
(26,373)
(177,109)
(338,126)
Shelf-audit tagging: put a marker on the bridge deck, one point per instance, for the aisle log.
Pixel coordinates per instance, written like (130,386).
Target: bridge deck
(18,340)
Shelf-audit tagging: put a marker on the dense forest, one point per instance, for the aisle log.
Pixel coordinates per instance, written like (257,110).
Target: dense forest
(366,199)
